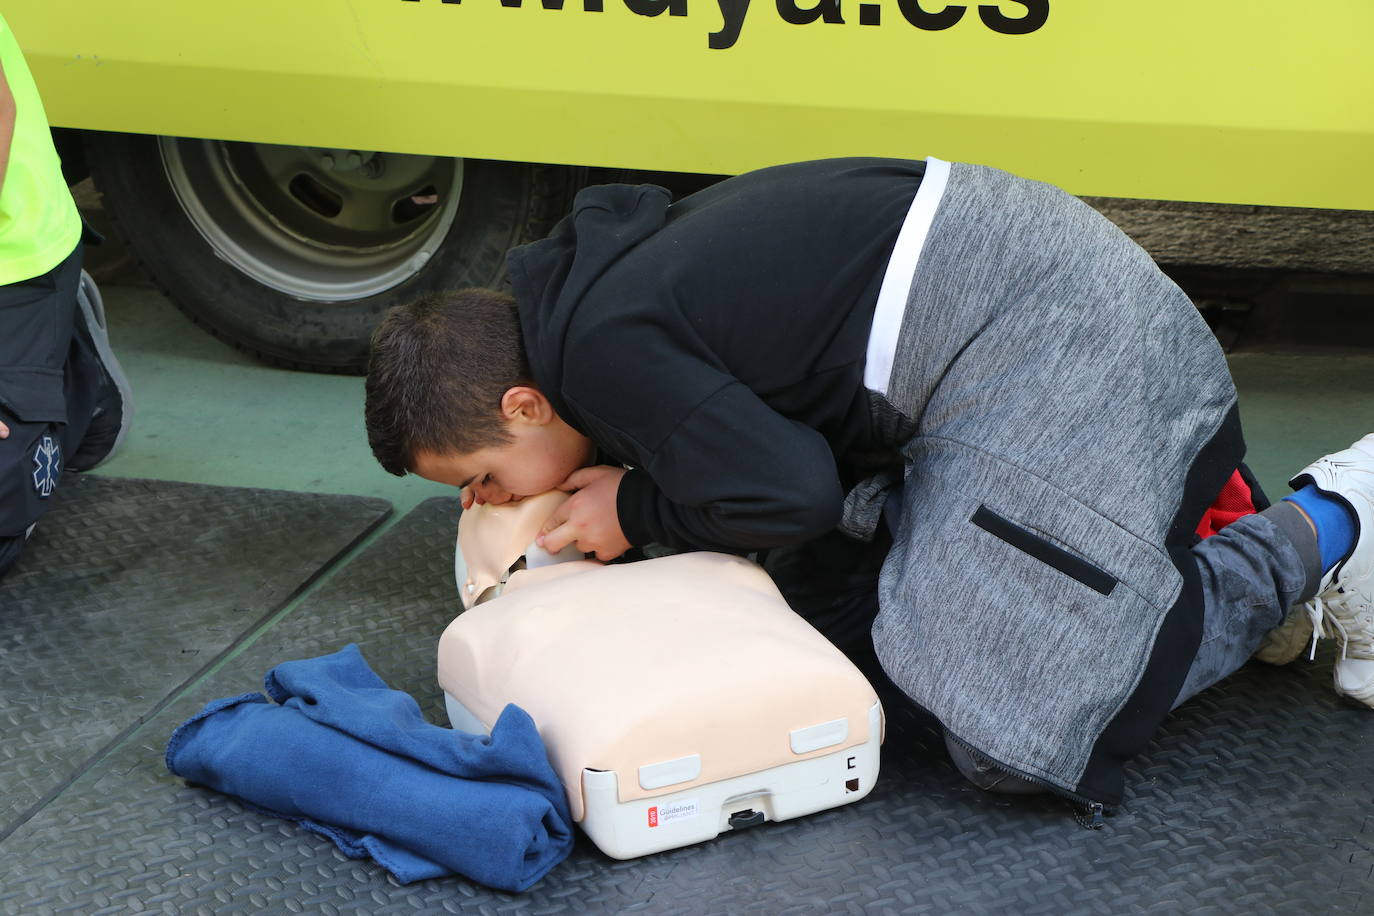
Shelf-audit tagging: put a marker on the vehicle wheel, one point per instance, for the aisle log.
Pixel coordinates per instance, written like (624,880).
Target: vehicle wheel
(293,253)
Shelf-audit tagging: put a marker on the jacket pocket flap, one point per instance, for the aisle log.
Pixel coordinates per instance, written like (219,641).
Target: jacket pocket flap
(33,395)
(1070,564)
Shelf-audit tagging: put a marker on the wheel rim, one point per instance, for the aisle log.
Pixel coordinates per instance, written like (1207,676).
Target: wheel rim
(314,223)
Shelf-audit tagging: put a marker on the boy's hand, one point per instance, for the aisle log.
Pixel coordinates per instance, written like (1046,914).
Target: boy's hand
(4,430)
(588,518)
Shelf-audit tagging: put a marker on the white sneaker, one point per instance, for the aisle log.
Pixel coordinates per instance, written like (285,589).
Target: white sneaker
(1345,598)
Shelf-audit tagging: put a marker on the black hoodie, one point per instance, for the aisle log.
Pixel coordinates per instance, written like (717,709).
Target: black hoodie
(716,345)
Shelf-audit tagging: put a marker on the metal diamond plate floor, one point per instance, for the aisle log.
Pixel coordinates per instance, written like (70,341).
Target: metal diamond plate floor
(1257,797)
(127,589)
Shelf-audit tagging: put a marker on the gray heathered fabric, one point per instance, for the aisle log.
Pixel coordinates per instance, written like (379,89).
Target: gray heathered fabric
(1251,573)
(1056,376)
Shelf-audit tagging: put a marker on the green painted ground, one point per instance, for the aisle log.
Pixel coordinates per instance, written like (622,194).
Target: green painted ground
(1299,406)
(206,413)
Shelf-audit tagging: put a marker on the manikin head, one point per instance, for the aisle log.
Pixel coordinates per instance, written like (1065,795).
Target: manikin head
(496,540)
(450,397)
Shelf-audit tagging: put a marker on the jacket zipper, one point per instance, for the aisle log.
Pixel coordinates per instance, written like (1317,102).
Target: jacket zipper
(1086,811)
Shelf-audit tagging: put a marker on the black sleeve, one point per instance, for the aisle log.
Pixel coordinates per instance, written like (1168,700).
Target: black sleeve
(732,475)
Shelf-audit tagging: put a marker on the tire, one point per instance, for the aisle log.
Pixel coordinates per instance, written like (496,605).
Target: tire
(294,253)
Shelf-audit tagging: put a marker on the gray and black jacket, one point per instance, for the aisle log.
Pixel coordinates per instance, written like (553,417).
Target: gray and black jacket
(1059,412)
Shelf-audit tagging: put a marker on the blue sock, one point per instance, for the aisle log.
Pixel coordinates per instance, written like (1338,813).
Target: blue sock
(1334,520)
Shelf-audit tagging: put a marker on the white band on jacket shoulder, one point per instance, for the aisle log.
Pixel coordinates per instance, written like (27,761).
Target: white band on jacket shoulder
(901,268)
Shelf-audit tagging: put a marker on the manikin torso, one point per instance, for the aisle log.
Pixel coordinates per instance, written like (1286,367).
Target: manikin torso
(627,664)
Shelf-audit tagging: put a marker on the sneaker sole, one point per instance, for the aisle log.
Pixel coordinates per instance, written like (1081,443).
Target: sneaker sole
(93,310)
(1364,697)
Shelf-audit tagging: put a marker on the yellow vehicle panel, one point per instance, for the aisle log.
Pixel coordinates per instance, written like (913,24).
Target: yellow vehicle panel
(1241,101)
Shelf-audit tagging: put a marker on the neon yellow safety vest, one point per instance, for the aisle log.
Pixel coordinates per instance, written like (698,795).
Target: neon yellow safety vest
(39,225)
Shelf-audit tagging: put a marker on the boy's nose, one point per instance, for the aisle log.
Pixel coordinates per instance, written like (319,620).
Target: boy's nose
(493,494)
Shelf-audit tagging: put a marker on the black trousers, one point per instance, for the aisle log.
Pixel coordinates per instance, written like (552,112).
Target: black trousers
(50,378)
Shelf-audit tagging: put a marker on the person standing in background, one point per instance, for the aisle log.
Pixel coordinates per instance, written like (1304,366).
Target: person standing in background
(64,401)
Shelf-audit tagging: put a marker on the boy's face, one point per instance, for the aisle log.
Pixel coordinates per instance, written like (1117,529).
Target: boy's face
(542,452)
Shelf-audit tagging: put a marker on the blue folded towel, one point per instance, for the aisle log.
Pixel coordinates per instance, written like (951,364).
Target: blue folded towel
(345,756)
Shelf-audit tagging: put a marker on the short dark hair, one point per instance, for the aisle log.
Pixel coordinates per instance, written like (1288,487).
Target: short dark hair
(438,368)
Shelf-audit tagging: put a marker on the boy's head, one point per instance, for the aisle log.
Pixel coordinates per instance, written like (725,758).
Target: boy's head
(450,397)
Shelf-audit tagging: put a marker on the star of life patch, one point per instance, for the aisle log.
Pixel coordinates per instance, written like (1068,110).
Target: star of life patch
(47,465)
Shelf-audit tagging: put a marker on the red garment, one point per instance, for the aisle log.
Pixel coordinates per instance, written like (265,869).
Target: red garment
(1234,501)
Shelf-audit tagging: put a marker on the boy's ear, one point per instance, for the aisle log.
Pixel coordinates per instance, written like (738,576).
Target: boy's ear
(525,404)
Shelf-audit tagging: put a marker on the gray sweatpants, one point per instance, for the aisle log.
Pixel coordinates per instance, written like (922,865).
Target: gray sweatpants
(1253,571)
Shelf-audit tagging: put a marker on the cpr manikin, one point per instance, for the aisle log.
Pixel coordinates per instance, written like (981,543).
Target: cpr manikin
(677,697)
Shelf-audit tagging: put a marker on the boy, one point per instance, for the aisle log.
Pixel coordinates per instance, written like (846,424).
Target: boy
(978,363)
(64,402)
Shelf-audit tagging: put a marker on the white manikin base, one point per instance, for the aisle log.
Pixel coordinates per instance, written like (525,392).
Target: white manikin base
(624,830)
